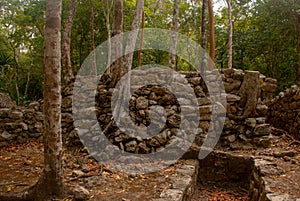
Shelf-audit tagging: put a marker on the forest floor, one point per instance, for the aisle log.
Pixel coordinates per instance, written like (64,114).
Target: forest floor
(21,166)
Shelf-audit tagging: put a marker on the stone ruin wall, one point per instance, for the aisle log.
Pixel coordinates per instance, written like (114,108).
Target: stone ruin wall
(284,111)
(19,124)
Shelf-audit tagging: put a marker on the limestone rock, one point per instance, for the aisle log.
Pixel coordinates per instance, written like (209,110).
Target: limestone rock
(262,130)
(6,135)
(172,194)
(232,98)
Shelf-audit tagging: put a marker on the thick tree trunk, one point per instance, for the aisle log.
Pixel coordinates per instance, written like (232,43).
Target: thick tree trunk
(172,58)
(230,34)
(66,44)
(117,44)
(51,181)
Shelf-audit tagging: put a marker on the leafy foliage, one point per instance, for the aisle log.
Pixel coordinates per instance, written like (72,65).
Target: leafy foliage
(265,37)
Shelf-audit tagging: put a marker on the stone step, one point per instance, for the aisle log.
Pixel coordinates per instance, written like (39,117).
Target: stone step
(184,183)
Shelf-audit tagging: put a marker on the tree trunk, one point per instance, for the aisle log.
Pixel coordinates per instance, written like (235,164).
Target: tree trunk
(211,34)
(203,36)
(174,34)
(117,44)
(106,11)
(298,47)
(230,34)
(51,181)
(130,45)
(132,39)
(27,84)
(203,25)
(16,54)
(66,44)
(92,33)
(142,41)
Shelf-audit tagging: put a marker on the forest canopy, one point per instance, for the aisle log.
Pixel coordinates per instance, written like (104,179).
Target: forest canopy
(266,37)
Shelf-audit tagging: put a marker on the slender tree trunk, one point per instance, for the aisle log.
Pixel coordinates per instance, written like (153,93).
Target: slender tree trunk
(17,85)
(117,44)
(211,31)
(298,46)
(51,181)
(27,84)
(28,75)
(66,44)
(92,33)
(230,34)
(203,35)
(172,59)
(16,53)
(203,25)
(106,11)
(142,41)
(132,39)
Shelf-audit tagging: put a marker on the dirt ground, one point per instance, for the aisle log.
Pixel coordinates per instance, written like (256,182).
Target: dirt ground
(21,166)
(213,193)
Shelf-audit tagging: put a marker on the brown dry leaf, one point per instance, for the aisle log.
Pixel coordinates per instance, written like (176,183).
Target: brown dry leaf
(116,177)
(142,176)
(120,191)
(10,188)
(5,158)
(104,174)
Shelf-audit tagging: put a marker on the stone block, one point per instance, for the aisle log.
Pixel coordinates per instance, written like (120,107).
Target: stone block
(262,130)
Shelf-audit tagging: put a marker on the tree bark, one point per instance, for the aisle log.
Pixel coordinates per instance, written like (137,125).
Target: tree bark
(130,45)
(15,57)
(211,33)
(131,42)
(175,20)
(66,44)
(27,84)
(203,25)
(51,181)
(142,41)
(117,44)
(203,36)
(230,40)
(106,11)
(92,33)
(298,46)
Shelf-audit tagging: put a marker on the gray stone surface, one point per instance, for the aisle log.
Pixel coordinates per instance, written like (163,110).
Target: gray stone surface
(284,111)
(183,183)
